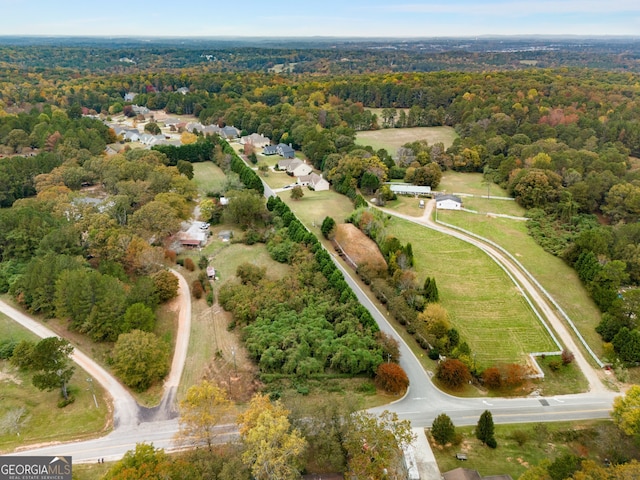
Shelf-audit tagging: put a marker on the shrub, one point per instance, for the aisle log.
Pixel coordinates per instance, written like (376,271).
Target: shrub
(520,437)
(443,430)
(170,255)
(453,373)
(328,227)
(514,375)
(555,365)
(189,265)
(567,357)
(7,346)
(391,378)
(203,262)
(492,378)
(210,298)
(434,354)
(66,401)
(251,237)
(196,289)
(491,442)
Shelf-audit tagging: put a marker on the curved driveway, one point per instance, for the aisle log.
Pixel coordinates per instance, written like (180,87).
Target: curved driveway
(132,423)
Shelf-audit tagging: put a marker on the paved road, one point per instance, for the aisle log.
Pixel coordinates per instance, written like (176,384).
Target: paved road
(422,403)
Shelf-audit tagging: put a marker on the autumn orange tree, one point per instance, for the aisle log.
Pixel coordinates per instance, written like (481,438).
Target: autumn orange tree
(392,378)
(453,373)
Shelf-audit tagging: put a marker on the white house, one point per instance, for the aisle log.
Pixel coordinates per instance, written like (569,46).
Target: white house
(448,202)
(314,182)
(258,141)
(298,168)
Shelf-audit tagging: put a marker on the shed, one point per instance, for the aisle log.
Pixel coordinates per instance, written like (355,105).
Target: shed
(211,272)
(448,202)
(225,235)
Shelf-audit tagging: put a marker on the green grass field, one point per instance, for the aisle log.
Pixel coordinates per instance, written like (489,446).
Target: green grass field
(208,177)
(542,441)
(393,138)
(558,278)
(315,206)
(471,183)
(484,305)
(41,420)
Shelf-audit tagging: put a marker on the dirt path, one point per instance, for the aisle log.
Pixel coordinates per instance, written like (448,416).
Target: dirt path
(126,411)
(125,408)
(593,377)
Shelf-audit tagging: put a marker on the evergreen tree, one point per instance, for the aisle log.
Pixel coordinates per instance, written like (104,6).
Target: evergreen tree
(431,290)
(485,429)
(443,430)
(328,227)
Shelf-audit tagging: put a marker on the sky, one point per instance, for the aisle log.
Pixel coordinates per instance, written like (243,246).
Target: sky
(333,18)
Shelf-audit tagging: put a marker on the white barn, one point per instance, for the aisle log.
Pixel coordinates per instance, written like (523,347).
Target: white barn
(409,189)
(448,202)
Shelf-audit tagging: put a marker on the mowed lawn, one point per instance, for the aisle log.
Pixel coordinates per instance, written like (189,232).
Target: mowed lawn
(469,183)
(393,138)
(312,209)
(558,278)
(208,177)
(484,305)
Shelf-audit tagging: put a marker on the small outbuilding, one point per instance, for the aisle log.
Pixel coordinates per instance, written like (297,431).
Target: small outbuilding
(211,272)
(448,202)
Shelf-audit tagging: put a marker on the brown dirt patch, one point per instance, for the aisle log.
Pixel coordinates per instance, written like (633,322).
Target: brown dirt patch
(10,378)
(359,248)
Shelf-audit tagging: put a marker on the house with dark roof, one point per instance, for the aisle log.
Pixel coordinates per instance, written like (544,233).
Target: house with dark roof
(229,132)
(448,202)
(270,150)
(285,150)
